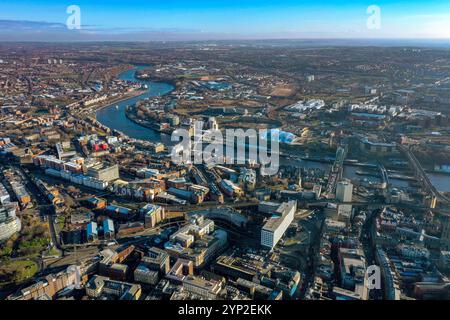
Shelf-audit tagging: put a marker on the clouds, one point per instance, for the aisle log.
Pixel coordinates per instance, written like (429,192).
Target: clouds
(210,20)
(20,25)
(434,26)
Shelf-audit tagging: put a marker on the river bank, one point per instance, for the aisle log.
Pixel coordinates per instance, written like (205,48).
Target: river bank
(153,126)
(114,115)
(112,102)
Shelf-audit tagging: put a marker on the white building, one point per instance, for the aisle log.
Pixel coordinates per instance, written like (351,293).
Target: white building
(344,212)
(301,106)
(4,195)
(9,222)
(276,226)
(344,191)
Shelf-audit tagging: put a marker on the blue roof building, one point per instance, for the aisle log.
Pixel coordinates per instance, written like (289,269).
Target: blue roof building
(91,231)
(108,228)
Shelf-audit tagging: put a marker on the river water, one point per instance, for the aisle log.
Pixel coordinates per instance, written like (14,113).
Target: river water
(115,118)
(441,181)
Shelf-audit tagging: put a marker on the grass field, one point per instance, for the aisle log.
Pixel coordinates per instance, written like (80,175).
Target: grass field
(16,271)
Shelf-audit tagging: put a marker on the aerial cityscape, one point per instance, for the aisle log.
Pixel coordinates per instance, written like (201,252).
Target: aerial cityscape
(213,167)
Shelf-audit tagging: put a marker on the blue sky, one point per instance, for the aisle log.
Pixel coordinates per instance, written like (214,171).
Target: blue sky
(245,18)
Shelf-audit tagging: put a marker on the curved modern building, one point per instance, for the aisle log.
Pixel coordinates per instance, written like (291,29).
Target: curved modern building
(281,136)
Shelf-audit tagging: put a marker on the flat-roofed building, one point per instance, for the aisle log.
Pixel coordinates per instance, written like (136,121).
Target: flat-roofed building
(152,214)
(104,172)
(255,290)
(234,268)
(275,227)
(344,191)
(99,286)
(344,212)
(144,274)
(353,271)
(205,288)
(197,241)
(159,259)
(152,267)
(180,270)
(47,286)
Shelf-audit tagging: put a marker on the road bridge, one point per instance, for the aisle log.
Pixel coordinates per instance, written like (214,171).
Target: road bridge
(336,170)
(422,176)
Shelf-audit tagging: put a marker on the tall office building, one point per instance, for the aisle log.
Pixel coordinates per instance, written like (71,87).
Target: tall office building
(275,227)
(344,191)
